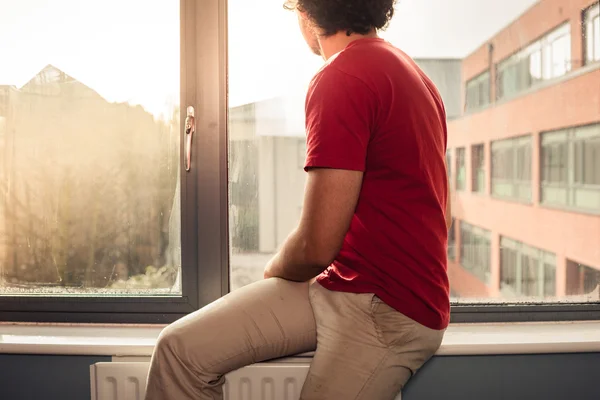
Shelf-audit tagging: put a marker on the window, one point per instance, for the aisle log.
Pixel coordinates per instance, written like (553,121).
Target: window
(449,164)
(461,169)
(526,271)
(478,168)
(591,33)
(511,168)
(95,212)
(581,279)
(478,92)
(475,251)
(570,168)
(546,58)
(100,221)
(452,242)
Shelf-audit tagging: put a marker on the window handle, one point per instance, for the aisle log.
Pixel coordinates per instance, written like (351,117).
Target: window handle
(190,128)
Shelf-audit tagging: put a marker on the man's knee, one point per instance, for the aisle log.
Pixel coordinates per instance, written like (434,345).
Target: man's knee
(170,343)
(180,343)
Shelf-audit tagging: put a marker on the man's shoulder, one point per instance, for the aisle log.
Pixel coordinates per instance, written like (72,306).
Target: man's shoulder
(367,61)
(334,77)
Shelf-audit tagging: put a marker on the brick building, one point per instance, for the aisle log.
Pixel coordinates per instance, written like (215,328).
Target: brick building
(525,158)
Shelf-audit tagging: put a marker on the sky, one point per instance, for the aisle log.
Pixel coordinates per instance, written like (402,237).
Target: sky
(128,50)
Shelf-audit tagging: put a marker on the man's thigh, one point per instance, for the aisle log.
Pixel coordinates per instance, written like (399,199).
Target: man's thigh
(264,320)
(365,350)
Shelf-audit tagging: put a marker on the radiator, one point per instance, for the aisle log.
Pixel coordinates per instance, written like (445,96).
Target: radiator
(266,381)
(127,381)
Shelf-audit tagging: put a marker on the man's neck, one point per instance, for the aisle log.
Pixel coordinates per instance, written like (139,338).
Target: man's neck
(331,45)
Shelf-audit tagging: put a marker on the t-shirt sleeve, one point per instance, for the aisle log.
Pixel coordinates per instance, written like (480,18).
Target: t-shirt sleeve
(339,117)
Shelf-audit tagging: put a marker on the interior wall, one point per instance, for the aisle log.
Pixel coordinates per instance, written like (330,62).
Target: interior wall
(502,377)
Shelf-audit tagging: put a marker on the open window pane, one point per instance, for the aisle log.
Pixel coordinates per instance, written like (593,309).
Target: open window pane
(89,148)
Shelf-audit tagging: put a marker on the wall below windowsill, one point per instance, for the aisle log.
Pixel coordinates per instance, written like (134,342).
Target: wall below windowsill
(460,339)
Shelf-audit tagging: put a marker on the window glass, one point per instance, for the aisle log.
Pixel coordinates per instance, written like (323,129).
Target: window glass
(592,33)
(478,166)
(475,251)
(570,167)
(461,170)
(89,200)
(511,168)
(591,161)
(581,279)
(545,58)
(561,56)
(452,241)
(554,159)
(596,30)
(508,245)
(478,91)
(526,271)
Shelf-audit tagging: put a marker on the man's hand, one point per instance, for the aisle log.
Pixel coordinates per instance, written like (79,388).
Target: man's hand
(330,199)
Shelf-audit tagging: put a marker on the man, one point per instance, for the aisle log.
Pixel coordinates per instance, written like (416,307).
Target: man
(373,231)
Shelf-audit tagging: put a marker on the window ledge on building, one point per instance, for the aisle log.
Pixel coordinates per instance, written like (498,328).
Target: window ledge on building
(460,339)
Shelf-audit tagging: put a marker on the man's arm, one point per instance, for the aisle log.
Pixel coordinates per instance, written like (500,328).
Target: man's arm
(330,200)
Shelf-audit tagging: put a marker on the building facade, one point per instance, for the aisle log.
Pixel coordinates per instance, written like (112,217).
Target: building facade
(524,159)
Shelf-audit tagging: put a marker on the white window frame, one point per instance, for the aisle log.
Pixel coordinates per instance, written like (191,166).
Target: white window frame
(592,34)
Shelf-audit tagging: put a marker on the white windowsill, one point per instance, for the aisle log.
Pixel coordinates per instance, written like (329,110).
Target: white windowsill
(460,339)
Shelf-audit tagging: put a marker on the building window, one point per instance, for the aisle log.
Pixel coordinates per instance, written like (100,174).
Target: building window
(547,58)
(592,34)
(526,271)
(511,168)
(452,242)
(461,169)
(570,168)
(475,251)
(478,92)
(478,168)
(449,164)
(581,279)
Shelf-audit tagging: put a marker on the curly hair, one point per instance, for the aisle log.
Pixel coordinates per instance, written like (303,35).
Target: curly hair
(350,16)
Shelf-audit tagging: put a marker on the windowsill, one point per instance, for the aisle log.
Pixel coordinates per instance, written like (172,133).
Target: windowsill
(460,339)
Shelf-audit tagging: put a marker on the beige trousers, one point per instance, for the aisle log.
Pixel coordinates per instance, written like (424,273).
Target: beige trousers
(364,348)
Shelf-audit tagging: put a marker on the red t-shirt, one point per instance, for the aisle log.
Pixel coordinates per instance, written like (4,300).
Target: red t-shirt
(371,109)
